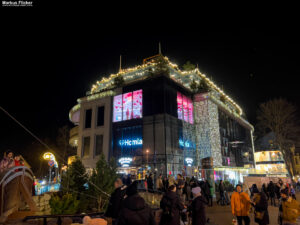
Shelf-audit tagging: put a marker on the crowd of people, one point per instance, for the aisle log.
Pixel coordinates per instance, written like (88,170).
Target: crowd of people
(185,199)
(10,160)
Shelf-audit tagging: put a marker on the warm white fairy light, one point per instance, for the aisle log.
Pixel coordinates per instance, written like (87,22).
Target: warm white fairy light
(106,82)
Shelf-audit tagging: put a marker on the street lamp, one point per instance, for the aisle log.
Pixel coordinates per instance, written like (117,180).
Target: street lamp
(147,151)
(51,162)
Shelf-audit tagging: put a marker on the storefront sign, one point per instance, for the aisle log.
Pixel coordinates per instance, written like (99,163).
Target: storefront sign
(133,142)
(189,161)
(125,161)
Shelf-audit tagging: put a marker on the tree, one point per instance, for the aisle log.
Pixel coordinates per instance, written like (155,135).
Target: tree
(279,116)
(194,86)
(75,178)
(101,182)
(119,81)
(203,86)
(188,66)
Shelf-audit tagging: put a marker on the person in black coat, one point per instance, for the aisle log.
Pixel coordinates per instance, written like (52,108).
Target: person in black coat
(197,208)
(171,206)
(260,204)
(115,201)
(135,211)
(150,183)
(271,191)
(222,194)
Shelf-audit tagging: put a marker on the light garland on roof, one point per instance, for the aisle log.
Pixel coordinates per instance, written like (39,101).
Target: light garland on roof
(105,82)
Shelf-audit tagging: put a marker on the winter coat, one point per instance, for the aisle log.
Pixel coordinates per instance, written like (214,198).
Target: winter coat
(6,163)
(159,183)
(115,202)
(221,188)
(206,188)
(198,211)
(290,210)
(136,212)
(271,190)
(240,204)
(171,202)
(150,183)
(261,206)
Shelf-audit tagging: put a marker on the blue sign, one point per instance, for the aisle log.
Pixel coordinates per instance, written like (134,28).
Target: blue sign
(133,142)
(186,144)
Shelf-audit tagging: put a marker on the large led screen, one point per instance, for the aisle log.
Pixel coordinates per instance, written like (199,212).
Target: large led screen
(117,114)
(128,106)
(137,104)
(185,108)
(179,105)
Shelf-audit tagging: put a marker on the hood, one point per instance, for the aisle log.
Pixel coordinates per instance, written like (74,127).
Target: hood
(134,202)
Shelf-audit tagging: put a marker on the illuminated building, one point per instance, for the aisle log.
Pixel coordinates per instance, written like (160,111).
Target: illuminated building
(155,121)
(268,158)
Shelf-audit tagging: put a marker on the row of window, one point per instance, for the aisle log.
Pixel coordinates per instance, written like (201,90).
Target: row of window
(86,144)
(99,120)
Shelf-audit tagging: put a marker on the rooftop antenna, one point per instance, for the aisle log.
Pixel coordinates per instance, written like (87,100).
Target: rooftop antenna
(159,48)
(120,69)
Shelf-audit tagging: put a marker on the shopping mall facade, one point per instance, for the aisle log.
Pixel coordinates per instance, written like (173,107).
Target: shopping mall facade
(154,121)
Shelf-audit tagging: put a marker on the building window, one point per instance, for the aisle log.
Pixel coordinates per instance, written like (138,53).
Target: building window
(128,106)
(86,146)
(99,145)
(100,116)
(88,118)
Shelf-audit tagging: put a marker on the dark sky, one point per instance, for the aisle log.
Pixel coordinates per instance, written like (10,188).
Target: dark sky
(46,67)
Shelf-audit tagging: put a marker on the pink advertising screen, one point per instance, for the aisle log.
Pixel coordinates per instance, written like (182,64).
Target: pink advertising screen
(179,105)
(127,106)
(191,109)
(137,104)
(117,114)
(185,109)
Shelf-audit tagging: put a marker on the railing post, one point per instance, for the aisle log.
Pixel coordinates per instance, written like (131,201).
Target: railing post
(45,221)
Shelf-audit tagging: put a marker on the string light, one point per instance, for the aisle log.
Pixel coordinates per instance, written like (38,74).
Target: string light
(106,82)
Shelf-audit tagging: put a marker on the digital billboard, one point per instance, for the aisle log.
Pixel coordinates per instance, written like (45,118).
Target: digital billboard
(117,112)
(185,108)
(137,104)
(128,106)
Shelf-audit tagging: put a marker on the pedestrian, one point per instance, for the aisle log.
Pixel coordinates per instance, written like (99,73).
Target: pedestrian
(264,189)
(7,161)
(171,206)
(116,200)
(135,211)
(221,191)
(150,183)
(128,180)
(271,190)
(179,185)
(171,180)
(260,204)
(187,189)
(207,194)
(289,209)
(159,183)
(277,191)
(293,192)
(165,184)
(197,208)
(253,189)
(240,205)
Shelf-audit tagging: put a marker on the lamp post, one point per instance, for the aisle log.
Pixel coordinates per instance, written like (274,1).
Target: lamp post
(147,151)
(51,162)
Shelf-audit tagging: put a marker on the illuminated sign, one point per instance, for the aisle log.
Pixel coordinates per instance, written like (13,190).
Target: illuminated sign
(185,108)
(133,142)
(189,161)
(125,161)
(186,144)
(50,157)
(128,106)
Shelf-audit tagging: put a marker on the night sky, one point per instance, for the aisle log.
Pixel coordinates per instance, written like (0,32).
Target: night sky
(45,68)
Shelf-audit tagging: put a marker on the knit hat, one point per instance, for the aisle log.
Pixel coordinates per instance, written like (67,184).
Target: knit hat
(196,190)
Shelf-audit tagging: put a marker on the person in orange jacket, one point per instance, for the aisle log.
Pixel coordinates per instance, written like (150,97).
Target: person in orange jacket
(240,205)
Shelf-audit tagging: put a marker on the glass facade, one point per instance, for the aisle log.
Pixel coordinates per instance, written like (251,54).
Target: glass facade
(236,144)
